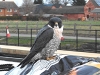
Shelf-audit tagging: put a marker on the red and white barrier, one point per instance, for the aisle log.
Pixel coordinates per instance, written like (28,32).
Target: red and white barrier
(7,32)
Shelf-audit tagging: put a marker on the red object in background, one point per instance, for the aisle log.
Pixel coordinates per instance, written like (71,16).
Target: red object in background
(62,38)
(7,32)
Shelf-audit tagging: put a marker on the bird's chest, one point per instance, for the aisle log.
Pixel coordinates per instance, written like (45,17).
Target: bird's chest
(51,47)
(53,43)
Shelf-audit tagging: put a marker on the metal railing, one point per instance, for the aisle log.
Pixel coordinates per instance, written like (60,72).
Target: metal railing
(80,40)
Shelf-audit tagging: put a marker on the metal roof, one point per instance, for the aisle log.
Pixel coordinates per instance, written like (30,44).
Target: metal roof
(67,10)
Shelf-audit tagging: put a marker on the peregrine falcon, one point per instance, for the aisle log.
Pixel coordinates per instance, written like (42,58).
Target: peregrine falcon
(46,43)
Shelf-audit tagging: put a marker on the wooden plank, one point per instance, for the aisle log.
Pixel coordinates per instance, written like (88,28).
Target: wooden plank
(14,49)
(25,51)
(84,54)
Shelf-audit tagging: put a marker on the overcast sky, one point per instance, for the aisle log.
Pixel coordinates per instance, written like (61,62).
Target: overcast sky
(19,2)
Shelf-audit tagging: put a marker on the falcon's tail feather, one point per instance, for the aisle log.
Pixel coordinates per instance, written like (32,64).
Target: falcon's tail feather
(23,64)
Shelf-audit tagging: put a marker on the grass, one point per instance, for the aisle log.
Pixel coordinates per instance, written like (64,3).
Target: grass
(82,22)
(14,40)
(22,40)
(42,23)
(71,44)
(26,41)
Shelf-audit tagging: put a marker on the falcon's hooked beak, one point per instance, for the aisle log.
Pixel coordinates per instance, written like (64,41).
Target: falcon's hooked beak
(58,31)
(56,24)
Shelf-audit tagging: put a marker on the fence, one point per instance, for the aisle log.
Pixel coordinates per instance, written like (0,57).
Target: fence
(78,39)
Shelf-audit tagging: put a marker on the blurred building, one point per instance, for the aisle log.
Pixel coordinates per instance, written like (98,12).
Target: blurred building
(8,8)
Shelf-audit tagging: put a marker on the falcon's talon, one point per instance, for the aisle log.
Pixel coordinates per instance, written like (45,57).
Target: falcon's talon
(50,58)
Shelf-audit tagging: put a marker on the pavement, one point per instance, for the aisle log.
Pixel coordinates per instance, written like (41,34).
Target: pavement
(25,50)
(66,37)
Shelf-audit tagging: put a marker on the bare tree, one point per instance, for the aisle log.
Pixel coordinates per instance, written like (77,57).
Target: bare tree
(27,6)
(65,2)
(55,1)
(38,1)
(79,2)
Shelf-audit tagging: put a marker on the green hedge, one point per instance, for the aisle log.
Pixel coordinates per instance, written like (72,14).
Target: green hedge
(33,18)
(10,17)
(23,18)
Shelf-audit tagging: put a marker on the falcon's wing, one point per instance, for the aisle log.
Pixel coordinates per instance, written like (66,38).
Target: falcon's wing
(39,44)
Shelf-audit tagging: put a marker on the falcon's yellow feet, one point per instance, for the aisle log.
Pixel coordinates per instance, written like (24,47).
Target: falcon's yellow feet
(50,58)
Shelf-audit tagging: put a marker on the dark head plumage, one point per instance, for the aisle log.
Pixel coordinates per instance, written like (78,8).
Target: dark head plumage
(54,20)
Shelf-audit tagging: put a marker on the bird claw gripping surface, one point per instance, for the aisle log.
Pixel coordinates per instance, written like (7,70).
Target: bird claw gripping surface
(50,58)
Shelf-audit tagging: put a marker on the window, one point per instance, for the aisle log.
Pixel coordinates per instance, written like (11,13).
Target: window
(15,10)
(0,10)
(9,10)
(89,9)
